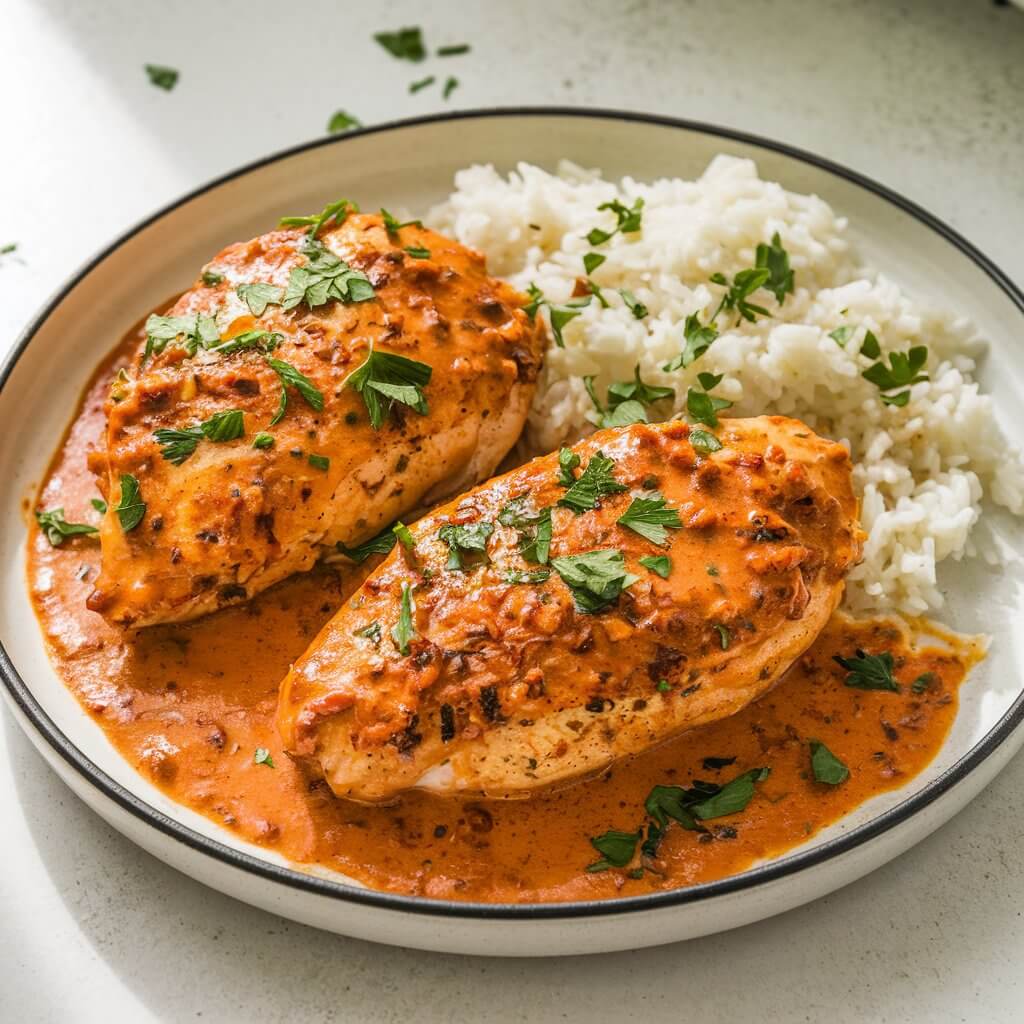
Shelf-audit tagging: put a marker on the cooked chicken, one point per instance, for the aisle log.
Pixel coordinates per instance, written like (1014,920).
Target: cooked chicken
(247,444)
(476,661)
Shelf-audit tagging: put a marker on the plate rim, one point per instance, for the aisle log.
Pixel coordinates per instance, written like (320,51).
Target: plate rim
(343,892)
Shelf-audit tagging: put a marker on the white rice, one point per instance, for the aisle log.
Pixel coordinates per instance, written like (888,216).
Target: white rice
(922,471)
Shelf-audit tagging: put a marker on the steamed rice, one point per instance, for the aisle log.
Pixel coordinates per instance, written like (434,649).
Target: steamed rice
(922,470)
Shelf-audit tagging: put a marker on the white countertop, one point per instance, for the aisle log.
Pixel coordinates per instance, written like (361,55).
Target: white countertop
(925,97)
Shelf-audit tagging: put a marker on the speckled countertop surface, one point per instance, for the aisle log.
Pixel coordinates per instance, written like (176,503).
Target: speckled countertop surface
(927,97)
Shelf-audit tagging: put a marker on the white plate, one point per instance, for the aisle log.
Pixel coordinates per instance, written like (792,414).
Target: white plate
(411,164)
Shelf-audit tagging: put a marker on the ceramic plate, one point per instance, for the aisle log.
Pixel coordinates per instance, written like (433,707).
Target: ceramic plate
(410,164)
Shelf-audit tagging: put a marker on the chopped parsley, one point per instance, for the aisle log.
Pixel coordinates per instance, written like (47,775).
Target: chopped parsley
(195,331)
(739,290)
(258,295)
(99,504)
(922,682)
(263,341)
(325,277)
(262,756)
(560,315)
(131,508)
(162,76)
(724,635)
(842,334)
(453,51)
(333,213)
(386,378)
(379,545)
(451,83)
(870,347)
(403,631)
(732,797)
(869,671)
(392,225)
(568,460)
(211,278)
(467,539)
(592,260)
(178,445)
(670,802)
(57,528)
(534,529)
(704,408)
(421,83)
(633,304)
(649,516)
(593,483)
(826,766)
(417,252)
(595,579)
(698,340)
(342,121)
(372,632)
(712,570)
(321,462)
(627,221)
(704,443)
(404,43)
(404,535)
(291,377)
(617,849)
(626,401)
(903,370)
(263,441)
(660,564)
(774,258)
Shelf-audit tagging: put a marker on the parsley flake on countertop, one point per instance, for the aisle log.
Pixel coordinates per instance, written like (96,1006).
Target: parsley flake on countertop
(649,516)
(342,121)
(465,539)
(422,83)
(453,51)
(291,377)
(869,671)
(404,43)
(178,445)
(131,508)
(595,578)
(57,528)
(826,766)
(593,483)
(450,85)
(162,76)
(403,631)
(385,378)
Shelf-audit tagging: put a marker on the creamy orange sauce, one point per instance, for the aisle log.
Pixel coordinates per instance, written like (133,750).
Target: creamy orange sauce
(188,705)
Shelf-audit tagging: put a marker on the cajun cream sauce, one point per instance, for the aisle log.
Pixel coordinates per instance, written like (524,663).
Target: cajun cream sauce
(188,705)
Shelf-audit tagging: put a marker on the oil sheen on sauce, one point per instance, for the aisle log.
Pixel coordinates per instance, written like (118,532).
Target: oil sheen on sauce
(188,706)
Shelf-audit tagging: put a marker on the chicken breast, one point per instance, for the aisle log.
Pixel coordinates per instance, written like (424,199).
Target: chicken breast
(577,610)
(314,385)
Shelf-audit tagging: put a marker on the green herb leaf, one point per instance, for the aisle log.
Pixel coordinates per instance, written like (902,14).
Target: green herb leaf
(904,369)
(743,285)
(450,85)
(190,332)
(371,632)
(131,508)
(263,341)
(403,631)
(870,347)
(57,528)
(869,671)
(536,301)
(161,76)
(704,443)
(393,226)
(333,213)
(617,849)
(627,220)
(596,481)
(325,278)
(568,460)
(637,390)
(463,539)
(724,635)
(661,564)
(263,441)
(405,43)
(922,682)
(342,121)
(665,802)
(99,504)
(596,578)
(535,541)
(708,381)
(321,462)
(591,261)
(649,516)
(635,306)
(563,314)
(515,576)
(422,83)
(453,51)
(841,335)
(826,766)
(732,797)
(775,260)
(8,247)
(258,295)
(900,399)
(698,340)
(386,378)
(712,570)
(291,377)
(211,278)
(704,408)
(262,756)
(417,252)
(379,545)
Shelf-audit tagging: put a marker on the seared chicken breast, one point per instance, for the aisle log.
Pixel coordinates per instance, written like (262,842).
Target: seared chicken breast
(585,607)
(315,384)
